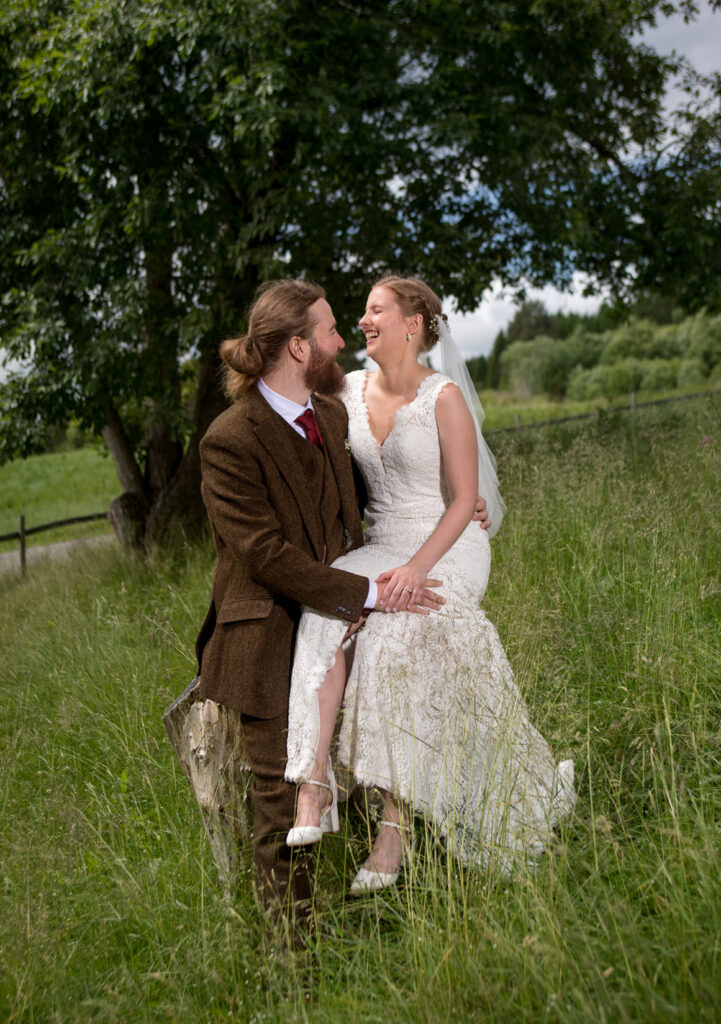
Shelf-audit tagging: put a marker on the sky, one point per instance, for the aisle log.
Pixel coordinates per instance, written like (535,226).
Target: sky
(475,332)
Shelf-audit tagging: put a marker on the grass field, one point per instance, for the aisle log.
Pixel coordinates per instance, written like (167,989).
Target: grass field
(606,591)
(505,410)
(59,485)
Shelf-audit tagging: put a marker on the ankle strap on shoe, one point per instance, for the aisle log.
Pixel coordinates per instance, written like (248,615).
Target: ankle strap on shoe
(396,824)
(316,782)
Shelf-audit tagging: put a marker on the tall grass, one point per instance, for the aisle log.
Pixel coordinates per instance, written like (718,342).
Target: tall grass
(606,590)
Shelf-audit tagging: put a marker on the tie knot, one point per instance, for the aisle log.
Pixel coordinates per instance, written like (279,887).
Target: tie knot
(309,423)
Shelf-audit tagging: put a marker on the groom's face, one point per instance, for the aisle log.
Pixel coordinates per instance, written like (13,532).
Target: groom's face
(322,372)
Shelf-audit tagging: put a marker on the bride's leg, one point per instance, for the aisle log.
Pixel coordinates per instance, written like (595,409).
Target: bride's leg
(387,853)
(312,800)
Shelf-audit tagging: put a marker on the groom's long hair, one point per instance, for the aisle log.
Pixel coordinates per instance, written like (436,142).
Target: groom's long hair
(280,310)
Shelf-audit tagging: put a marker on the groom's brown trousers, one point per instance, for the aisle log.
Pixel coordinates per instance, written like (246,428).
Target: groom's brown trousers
(281,873)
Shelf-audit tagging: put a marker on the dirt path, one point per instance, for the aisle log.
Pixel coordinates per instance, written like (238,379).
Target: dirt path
(10,560)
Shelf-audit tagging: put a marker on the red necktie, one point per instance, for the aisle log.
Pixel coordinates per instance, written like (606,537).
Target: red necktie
(308,422)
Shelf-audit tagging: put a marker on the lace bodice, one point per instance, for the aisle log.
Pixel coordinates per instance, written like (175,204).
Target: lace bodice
(404,475)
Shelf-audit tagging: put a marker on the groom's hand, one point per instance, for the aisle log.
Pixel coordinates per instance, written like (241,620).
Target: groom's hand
(356,627)
(481,513)
(395,595)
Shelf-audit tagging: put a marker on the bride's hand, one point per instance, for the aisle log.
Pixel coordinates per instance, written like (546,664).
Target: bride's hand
(407,588)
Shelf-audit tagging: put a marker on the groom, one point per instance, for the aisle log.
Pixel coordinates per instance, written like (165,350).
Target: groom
(279,488)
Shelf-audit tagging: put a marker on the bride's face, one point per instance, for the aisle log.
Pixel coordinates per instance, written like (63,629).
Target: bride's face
(383,323)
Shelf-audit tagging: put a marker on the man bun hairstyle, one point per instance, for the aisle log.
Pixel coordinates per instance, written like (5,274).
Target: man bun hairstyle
(415,297)
(279,311)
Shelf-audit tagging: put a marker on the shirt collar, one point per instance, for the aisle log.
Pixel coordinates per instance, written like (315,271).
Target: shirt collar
(285,407)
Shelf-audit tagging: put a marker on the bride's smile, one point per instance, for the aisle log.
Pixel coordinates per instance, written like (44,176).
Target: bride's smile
(383,323)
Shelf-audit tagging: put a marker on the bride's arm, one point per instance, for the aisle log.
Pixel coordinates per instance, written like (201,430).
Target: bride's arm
(457,435)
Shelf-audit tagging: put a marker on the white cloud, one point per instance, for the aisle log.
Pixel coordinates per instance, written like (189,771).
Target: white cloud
(699,40)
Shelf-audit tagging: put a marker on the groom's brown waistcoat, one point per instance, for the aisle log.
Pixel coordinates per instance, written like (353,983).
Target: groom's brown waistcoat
(281,510)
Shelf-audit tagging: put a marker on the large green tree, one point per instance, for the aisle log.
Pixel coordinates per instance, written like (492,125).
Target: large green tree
(159,159)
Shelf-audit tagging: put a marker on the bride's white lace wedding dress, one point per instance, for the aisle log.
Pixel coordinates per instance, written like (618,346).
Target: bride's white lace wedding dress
(431,710)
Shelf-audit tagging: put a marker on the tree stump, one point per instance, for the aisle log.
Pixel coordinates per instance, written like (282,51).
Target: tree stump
(208,739)
(128,514)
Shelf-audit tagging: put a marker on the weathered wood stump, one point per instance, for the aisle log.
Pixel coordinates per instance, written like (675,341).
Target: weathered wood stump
(128,514)
(209,742)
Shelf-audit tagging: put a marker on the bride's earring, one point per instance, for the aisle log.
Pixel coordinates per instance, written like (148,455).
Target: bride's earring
(408,336)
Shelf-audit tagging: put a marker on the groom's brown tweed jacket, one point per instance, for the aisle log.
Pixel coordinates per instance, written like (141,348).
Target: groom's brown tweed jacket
(281,511)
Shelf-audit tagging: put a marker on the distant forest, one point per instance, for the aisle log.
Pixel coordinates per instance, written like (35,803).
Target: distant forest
(647,346)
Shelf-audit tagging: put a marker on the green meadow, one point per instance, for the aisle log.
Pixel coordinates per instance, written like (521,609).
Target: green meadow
(58,485)
(606,590)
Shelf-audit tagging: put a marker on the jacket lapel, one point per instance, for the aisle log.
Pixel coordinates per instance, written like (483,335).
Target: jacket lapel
(272,432)
(340,462)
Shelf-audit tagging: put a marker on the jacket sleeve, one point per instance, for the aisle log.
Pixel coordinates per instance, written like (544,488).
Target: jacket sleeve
(240,510)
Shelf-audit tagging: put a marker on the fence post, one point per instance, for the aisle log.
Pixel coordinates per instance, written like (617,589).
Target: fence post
(21,531)
(633,401)
(518,421)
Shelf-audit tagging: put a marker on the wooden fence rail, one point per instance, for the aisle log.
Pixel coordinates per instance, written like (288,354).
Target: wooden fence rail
(23,531)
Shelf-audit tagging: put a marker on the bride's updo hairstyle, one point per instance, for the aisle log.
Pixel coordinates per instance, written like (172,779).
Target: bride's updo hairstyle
(280,310)
(414,296)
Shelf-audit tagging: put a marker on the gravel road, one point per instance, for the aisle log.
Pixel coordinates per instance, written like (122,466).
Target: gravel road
(10,560)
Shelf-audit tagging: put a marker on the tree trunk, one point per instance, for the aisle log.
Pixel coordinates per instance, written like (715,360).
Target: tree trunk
(164,451)
(121,450)
(128,513)
(181,504)
(164,457)
(209,742)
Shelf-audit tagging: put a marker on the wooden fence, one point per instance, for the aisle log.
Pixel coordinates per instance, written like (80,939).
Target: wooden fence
(23,531)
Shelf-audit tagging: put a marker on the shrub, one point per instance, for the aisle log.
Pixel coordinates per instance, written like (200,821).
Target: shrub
(634,338)
(624,377)
(660,374)
(645,340)
(705,340)
(546,364)
(669,342)
(584,385)
(692,373)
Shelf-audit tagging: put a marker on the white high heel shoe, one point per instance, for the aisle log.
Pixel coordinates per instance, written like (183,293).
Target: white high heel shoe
(373,881)
(306,835)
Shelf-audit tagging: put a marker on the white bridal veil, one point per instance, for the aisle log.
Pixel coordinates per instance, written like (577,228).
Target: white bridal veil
(453,365)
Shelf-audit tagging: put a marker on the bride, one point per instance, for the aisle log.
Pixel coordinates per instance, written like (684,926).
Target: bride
(432,716)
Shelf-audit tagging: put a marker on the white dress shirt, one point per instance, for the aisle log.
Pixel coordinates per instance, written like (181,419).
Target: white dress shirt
(290,411)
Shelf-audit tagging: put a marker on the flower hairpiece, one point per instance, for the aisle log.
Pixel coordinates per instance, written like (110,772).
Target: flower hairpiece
(433,326)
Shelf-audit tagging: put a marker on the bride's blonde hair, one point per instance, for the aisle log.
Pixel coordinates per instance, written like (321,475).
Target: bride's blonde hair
(415,297)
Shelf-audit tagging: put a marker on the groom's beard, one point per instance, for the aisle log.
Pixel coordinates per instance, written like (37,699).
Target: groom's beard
(323,374)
